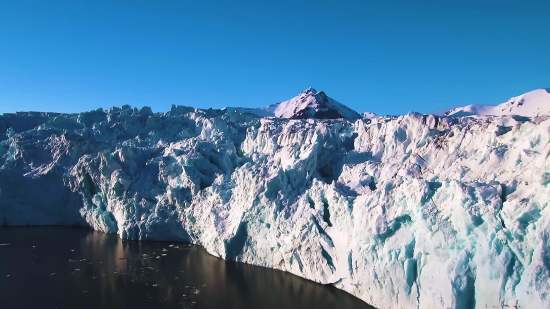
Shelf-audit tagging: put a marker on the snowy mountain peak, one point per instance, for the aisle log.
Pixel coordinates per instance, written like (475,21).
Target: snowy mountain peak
(368,115)
(311,103)
(309,91)
(531,104)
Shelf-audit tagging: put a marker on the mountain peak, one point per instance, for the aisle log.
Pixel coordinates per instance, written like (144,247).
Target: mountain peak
(309,91)
(313,104)
(308,104)
(529,104)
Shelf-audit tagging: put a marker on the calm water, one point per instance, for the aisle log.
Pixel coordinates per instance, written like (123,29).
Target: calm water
(73,268)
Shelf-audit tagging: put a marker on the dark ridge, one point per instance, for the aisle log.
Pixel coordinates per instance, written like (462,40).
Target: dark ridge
(349,142)
(394,226)
(234,247)
(432,188)
(326,213)
(372,185)
(310,202)
(321,230)
(90,184)
(327,257)
(502,130)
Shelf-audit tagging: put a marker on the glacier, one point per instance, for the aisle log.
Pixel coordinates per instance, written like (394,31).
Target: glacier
(414,211)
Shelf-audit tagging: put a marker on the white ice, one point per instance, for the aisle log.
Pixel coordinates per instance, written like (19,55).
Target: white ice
(413,211)
(531,104)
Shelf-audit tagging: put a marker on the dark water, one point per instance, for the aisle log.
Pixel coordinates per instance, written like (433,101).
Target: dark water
(73,268)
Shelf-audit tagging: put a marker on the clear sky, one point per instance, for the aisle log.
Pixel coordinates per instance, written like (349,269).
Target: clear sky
(384,56)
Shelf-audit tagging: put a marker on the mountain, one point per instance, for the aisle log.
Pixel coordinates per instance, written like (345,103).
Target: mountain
(310,103)
(530,104)
(369,115)
(415,211)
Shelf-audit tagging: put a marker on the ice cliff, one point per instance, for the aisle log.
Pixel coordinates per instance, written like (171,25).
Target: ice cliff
(413,211)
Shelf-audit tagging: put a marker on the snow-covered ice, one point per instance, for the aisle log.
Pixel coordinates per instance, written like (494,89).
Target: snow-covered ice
(415,211)
(530,104)
(369,115)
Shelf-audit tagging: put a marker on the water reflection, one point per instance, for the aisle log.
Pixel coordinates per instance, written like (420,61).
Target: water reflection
(72,268)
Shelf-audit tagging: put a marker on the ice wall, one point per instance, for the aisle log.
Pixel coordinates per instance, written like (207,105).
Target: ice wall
(407,212)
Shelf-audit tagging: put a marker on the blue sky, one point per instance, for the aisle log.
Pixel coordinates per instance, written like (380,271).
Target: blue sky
(388,57)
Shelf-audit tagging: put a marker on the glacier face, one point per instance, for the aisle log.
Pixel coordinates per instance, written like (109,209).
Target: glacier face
(406,212)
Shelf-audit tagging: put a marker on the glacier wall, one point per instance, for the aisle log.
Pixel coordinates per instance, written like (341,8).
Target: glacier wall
(406,212)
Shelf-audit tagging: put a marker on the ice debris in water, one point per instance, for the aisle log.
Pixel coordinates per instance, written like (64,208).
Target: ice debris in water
(414,211)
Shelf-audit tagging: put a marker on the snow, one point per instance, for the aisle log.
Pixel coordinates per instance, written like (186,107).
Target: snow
(415,211)
(310,103)
(530,104)
(369,115)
